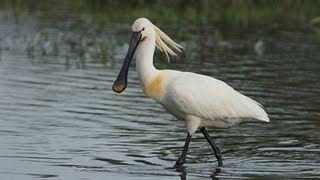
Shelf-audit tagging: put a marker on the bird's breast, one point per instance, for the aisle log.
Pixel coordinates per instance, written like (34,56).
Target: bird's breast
(154,87)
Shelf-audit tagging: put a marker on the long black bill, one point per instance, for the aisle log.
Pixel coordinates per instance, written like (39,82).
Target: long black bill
(121,82)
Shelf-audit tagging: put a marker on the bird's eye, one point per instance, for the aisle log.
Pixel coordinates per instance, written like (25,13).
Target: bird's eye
(142,29)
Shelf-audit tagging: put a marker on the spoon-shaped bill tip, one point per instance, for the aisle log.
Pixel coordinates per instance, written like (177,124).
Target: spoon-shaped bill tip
(118,88)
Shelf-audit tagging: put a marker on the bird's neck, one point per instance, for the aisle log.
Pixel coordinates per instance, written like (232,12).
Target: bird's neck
(144,63)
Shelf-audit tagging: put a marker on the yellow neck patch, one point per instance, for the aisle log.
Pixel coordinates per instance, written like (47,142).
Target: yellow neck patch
(154,87)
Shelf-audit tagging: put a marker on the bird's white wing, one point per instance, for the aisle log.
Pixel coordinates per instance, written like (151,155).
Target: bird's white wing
(212,100)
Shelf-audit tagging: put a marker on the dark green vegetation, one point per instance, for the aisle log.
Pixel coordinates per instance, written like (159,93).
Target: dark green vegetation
(235,13)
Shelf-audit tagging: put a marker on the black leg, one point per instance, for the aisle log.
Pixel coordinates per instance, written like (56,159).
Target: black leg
(213,145)
(182,158)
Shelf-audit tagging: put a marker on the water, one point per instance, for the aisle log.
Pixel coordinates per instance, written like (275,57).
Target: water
(61,120)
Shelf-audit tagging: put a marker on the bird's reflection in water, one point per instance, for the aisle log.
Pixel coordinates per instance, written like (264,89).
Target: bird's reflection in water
(183,173)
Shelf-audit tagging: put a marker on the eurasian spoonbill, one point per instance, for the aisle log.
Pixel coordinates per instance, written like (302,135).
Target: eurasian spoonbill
(199,100)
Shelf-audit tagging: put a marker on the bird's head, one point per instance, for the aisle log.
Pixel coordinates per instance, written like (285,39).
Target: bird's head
(145,28)
(143,31)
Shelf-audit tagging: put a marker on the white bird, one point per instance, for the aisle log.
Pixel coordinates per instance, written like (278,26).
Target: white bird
(199,100)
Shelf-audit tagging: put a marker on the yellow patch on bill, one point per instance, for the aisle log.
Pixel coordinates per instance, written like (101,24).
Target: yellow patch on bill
(118,88)
(154,87)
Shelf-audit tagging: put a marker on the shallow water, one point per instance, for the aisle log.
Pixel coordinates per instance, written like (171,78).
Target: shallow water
(61,120)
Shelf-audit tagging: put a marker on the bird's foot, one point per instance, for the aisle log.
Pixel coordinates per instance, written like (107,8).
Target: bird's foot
(216,171)
(180,162)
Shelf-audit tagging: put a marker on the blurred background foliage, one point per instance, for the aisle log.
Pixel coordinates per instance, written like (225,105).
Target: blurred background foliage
(98,30)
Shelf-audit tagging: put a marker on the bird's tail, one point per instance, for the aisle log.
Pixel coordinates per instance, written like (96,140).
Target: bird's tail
(258,112)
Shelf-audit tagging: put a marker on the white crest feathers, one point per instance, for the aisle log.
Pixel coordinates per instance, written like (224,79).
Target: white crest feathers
(162,40)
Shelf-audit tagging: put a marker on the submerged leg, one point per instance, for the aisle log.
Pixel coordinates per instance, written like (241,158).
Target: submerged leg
(215,148)
(182,158)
